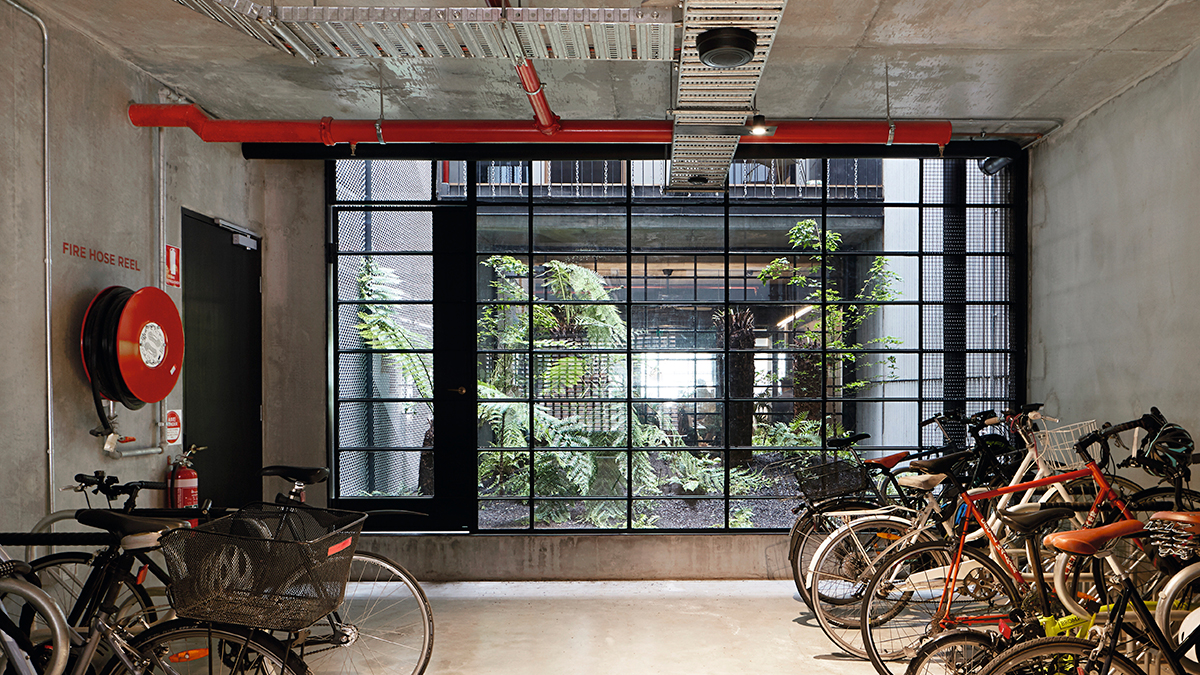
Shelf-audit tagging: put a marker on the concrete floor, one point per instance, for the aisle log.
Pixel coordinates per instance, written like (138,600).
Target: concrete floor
(628,627)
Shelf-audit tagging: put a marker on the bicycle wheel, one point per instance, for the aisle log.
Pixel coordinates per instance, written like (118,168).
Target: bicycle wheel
(44,650)
(1053,656)
(383,625)
(187,647)
(810,529)
(63,576)
(904,603)
(1178,611)
(841,569)
(960,652)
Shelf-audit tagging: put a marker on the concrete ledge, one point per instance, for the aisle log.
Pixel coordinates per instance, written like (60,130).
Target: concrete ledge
(558,557)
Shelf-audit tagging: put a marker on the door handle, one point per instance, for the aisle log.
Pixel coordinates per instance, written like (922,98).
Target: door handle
(458,390)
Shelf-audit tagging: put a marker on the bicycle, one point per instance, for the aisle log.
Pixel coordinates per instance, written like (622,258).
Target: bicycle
(847,559)
(1104,655)
(383,603)
(178,646)
(23,652)
(925,578)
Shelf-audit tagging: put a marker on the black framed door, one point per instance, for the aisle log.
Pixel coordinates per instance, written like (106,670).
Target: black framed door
(404,423)
(222,367)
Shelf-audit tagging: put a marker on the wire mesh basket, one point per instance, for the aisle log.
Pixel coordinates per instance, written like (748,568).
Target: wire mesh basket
(817,480)
(270,566)
(1056,447)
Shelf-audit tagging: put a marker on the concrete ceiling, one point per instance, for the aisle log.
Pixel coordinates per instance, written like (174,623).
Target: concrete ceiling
(971,61)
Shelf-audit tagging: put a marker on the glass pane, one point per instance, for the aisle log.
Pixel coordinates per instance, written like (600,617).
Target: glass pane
(698,423)
(559,424)
(571,228)
(988,278)
(502,326)
(503,375)
(675,375)
(855,179)
(503,514)
(760,513)
(650,177)
(451,180)
(505,423)
(579,179)
(579,326)
(766,229)
(503,473)
(589,278)
(987,327)
(775,179)
(686,473)
(874,375)
(676,229)
(901,229)
(773,277)
(385,425)
(678,278)
(385,474)
(389,277)
(379,180)
(574,375)
(506,180)
(502,278)
(502,228)
(663,327)
(385,230)
(385,326)
(406,375)
(574,473)
(579,513)
(892,424)
(680,513)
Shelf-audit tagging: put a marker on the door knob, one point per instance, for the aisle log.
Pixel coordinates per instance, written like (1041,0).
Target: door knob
(459,390)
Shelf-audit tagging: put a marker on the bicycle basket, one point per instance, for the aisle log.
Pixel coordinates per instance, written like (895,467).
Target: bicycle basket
(270,566)
(818,480)
(1057,446)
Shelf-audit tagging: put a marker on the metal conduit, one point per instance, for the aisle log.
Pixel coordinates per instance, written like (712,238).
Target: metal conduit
(48,233)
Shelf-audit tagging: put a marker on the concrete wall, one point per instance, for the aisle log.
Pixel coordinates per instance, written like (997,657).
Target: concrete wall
(104,178)
(1113,246)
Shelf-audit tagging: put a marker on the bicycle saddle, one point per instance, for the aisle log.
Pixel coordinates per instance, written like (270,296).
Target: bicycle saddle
(135,532)
(1189,517)
(847,441)
(941,464)
(1088,542)
(924,482)
(309,475)
(1028,523)
(890,461)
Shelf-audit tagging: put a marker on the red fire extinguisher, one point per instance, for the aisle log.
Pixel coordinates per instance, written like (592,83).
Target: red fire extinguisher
(183,482)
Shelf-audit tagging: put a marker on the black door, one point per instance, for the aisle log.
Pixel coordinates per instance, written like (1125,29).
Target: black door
(222,365)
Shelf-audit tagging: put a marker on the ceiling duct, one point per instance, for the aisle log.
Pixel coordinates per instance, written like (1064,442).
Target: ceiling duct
(722,96)
(317,33)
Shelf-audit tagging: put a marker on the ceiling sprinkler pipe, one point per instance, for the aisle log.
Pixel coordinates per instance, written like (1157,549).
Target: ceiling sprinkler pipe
(547,121)
(332,132)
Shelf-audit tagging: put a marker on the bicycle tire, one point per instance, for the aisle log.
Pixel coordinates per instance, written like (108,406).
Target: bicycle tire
(899,610)
(841,569)
(960,652)
(63,576)
(46,649)
(383,605)
(1053,656)
(1178,609)
(810,529)
(188,647)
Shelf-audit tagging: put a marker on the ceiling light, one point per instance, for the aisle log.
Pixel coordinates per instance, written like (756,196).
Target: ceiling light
(758,126)
(726,47)
(992,165)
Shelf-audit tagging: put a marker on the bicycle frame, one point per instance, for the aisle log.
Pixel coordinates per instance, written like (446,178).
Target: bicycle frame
(1105,495)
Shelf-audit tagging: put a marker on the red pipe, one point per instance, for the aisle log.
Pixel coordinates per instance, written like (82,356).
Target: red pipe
(331,132)
(547,121)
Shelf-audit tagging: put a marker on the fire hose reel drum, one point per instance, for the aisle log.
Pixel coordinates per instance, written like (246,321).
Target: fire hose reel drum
(132,345)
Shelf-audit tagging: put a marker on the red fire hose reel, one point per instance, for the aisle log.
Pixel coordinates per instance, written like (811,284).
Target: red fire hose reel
(132,348)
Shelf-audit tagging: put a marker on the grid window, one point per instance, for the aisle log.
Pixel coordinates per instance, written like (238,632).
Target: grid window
(649,360)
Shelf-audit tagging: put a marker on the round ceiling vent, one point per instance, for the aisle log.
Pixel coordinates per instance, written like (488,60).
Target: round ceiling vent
(726,47)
